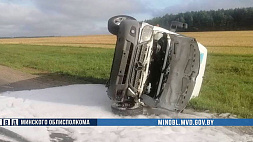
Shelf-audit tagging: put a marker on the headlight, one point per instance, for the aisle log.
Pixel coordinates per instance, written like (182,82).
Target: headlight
(146,34)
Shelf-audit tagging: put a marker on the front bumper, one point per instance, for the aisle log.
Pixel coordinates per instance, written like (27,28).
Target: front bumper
(123,77)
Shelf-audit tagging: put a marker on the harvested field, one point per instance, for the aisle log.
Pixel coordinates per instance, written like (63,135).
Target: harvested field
(225,42)
(106,41)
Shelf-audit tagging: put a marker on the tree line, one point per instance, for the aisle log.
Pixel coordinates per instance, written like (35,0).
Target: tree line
(213,20)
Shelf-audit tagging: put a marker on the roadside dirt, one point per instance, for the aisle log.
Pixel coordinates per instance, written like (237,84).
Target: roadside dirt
(14,80)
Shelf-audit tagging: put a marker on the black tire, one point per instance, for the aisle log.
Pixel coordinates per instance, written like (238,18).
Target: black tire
(137,109)
(114,22)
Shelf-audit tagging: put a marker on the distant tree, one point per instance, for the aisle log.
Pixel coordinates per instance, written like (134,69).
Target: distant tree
(213,20)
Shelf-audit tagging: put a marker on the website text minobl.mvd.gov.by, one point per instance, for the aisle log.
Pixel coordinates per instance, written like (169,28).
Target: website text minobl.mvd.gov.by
(185,122)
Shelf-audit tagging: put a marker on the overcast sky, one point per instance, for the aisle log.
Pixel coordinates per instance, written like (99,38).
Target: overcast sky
(85,17)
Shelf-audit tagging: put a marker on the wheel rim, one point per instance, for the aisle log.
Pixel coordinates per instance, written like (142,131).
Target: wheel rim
(118,20)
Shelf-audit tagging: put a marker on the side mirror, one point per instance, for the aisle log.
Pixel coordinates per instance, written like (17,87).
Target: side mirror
(174,25)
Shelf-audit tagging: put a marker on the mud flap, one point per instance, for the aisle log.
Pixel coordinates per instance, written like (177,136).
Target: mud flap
(183,69)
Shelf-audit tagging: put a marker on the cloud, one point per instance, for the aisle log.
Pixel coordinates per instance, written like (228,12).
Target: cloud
(84,17)
(62,17)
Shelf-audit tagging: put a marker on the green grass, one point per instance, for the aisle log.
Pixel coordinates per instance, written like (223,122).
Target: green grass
(227,86)
(90,64)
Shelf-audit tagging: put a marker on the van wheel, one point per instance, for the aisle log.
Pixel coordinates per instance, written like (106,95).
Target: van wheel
(114,22)
(127,109)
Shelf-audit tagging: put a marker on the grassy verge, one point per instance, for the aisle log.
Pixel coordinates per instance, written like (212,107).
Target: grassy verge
(227,85)
(90,64)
